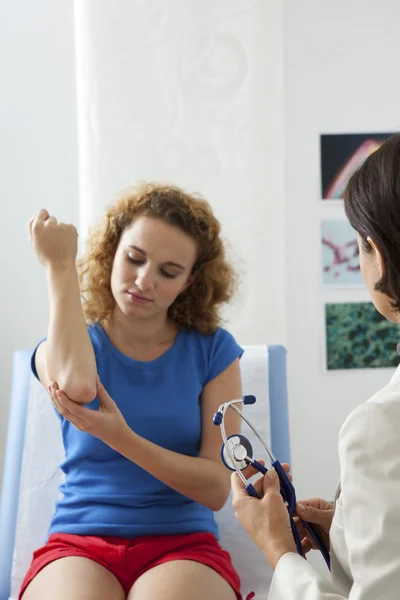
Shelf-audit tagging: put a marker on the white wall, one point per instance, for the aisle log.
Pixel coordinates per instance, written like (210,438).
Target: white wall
(38,160)
(340,66)
(192,93)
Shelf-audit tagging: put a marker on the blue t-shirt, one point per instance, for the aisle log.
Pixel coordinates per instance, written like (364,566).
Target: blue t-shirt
(104,493)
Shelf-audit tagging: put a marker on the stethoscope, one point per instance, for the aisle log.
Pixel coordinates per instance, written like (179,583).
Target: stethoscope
(237,454)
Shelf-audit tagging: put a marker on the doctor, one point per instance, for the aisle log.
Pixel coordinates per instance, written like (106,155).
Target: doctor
(364,525)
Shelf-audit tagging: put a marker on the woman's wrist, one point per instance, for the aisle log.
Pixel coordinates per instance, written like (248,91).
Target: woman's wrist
(126,441)
(56,269)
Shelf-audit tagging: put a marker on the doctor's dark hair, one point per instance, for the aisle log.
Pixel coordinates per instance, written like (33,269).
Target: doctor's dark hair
(372,205)
(214,279)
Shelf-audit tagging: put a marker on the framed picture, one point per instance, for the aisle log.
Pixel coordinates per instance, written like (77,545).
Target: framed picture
(358,337)
(340,254)
(341,155)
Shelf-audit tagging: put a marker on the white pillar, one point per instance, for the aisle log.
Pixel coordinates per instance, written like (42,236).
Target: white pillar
(190,92)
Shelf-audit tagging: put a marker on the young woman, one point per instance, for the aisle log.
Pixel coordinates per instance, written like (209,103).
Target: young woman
(136,375)
(364,525)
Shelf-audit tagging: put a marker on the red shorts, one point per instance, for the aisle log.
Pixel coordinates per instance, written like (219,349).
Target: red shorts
(127,559)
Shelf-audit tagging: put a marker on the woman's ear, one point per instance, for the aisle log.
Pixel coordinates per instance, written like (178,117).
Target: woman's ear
(189,281)
(378,256)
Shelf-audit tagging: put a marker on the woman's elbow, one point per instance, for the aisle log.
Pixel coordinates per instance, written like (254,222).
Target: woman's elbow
(81,392)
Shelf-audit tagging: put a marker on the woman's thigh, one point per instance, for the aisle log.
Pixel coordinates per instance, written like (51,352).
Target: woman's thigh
(181,580)
(74,578)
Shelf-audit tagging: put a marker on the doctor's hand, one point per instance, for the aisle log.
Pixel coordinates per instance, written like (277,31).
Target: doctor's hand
(317,511)
(266,520)
(106,423)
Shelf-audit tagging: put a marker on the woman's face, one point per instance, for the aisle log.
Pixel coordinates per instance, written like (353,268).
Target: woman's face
(371,264)
(152,266)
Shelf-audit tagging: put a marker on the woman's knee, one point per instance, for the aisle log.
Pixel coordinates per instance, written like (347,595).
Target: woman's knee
(180,580)
(74,578)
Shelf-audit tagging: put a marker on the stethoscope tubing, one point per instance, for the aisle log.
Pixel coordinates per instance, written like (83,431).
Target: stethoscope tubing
(286,487)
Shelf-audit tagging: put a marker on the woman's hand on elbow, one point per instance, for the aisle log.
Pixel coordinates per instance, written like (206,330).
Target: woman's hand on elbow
(82,392)
(105,423)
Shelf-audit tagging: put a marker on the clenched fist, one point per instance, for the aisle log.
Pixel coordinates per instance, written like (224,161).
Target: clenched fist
(54,243)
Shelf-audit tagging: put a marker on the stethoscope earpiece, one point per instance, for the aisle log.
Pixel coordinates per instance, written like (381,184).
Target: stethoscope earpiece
(217,418)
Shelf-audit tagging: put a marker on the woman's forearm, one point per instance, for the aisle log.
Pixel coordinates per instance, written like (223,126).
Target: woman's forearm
(201,479)
(70,359)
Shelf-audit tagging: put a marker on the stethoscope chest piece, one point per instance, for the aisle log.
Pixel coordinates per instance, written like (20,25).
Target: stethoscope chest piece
(235,452)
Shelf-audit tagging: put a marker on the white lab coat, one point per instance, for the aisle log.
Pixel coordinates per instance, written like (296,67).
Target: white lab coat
(365,533)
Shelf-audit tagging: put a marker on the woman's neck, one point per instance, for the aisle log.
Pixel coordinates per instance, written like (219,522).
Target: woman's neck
(127,332)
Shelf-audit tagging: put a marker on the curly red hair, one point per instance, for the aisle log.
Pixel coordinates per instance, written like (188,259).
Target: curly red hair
(214,279)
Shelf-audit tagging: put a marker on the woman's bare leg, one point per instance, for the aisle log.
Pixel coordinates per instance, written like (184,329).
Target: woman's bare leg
(74,578)
(181,580)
